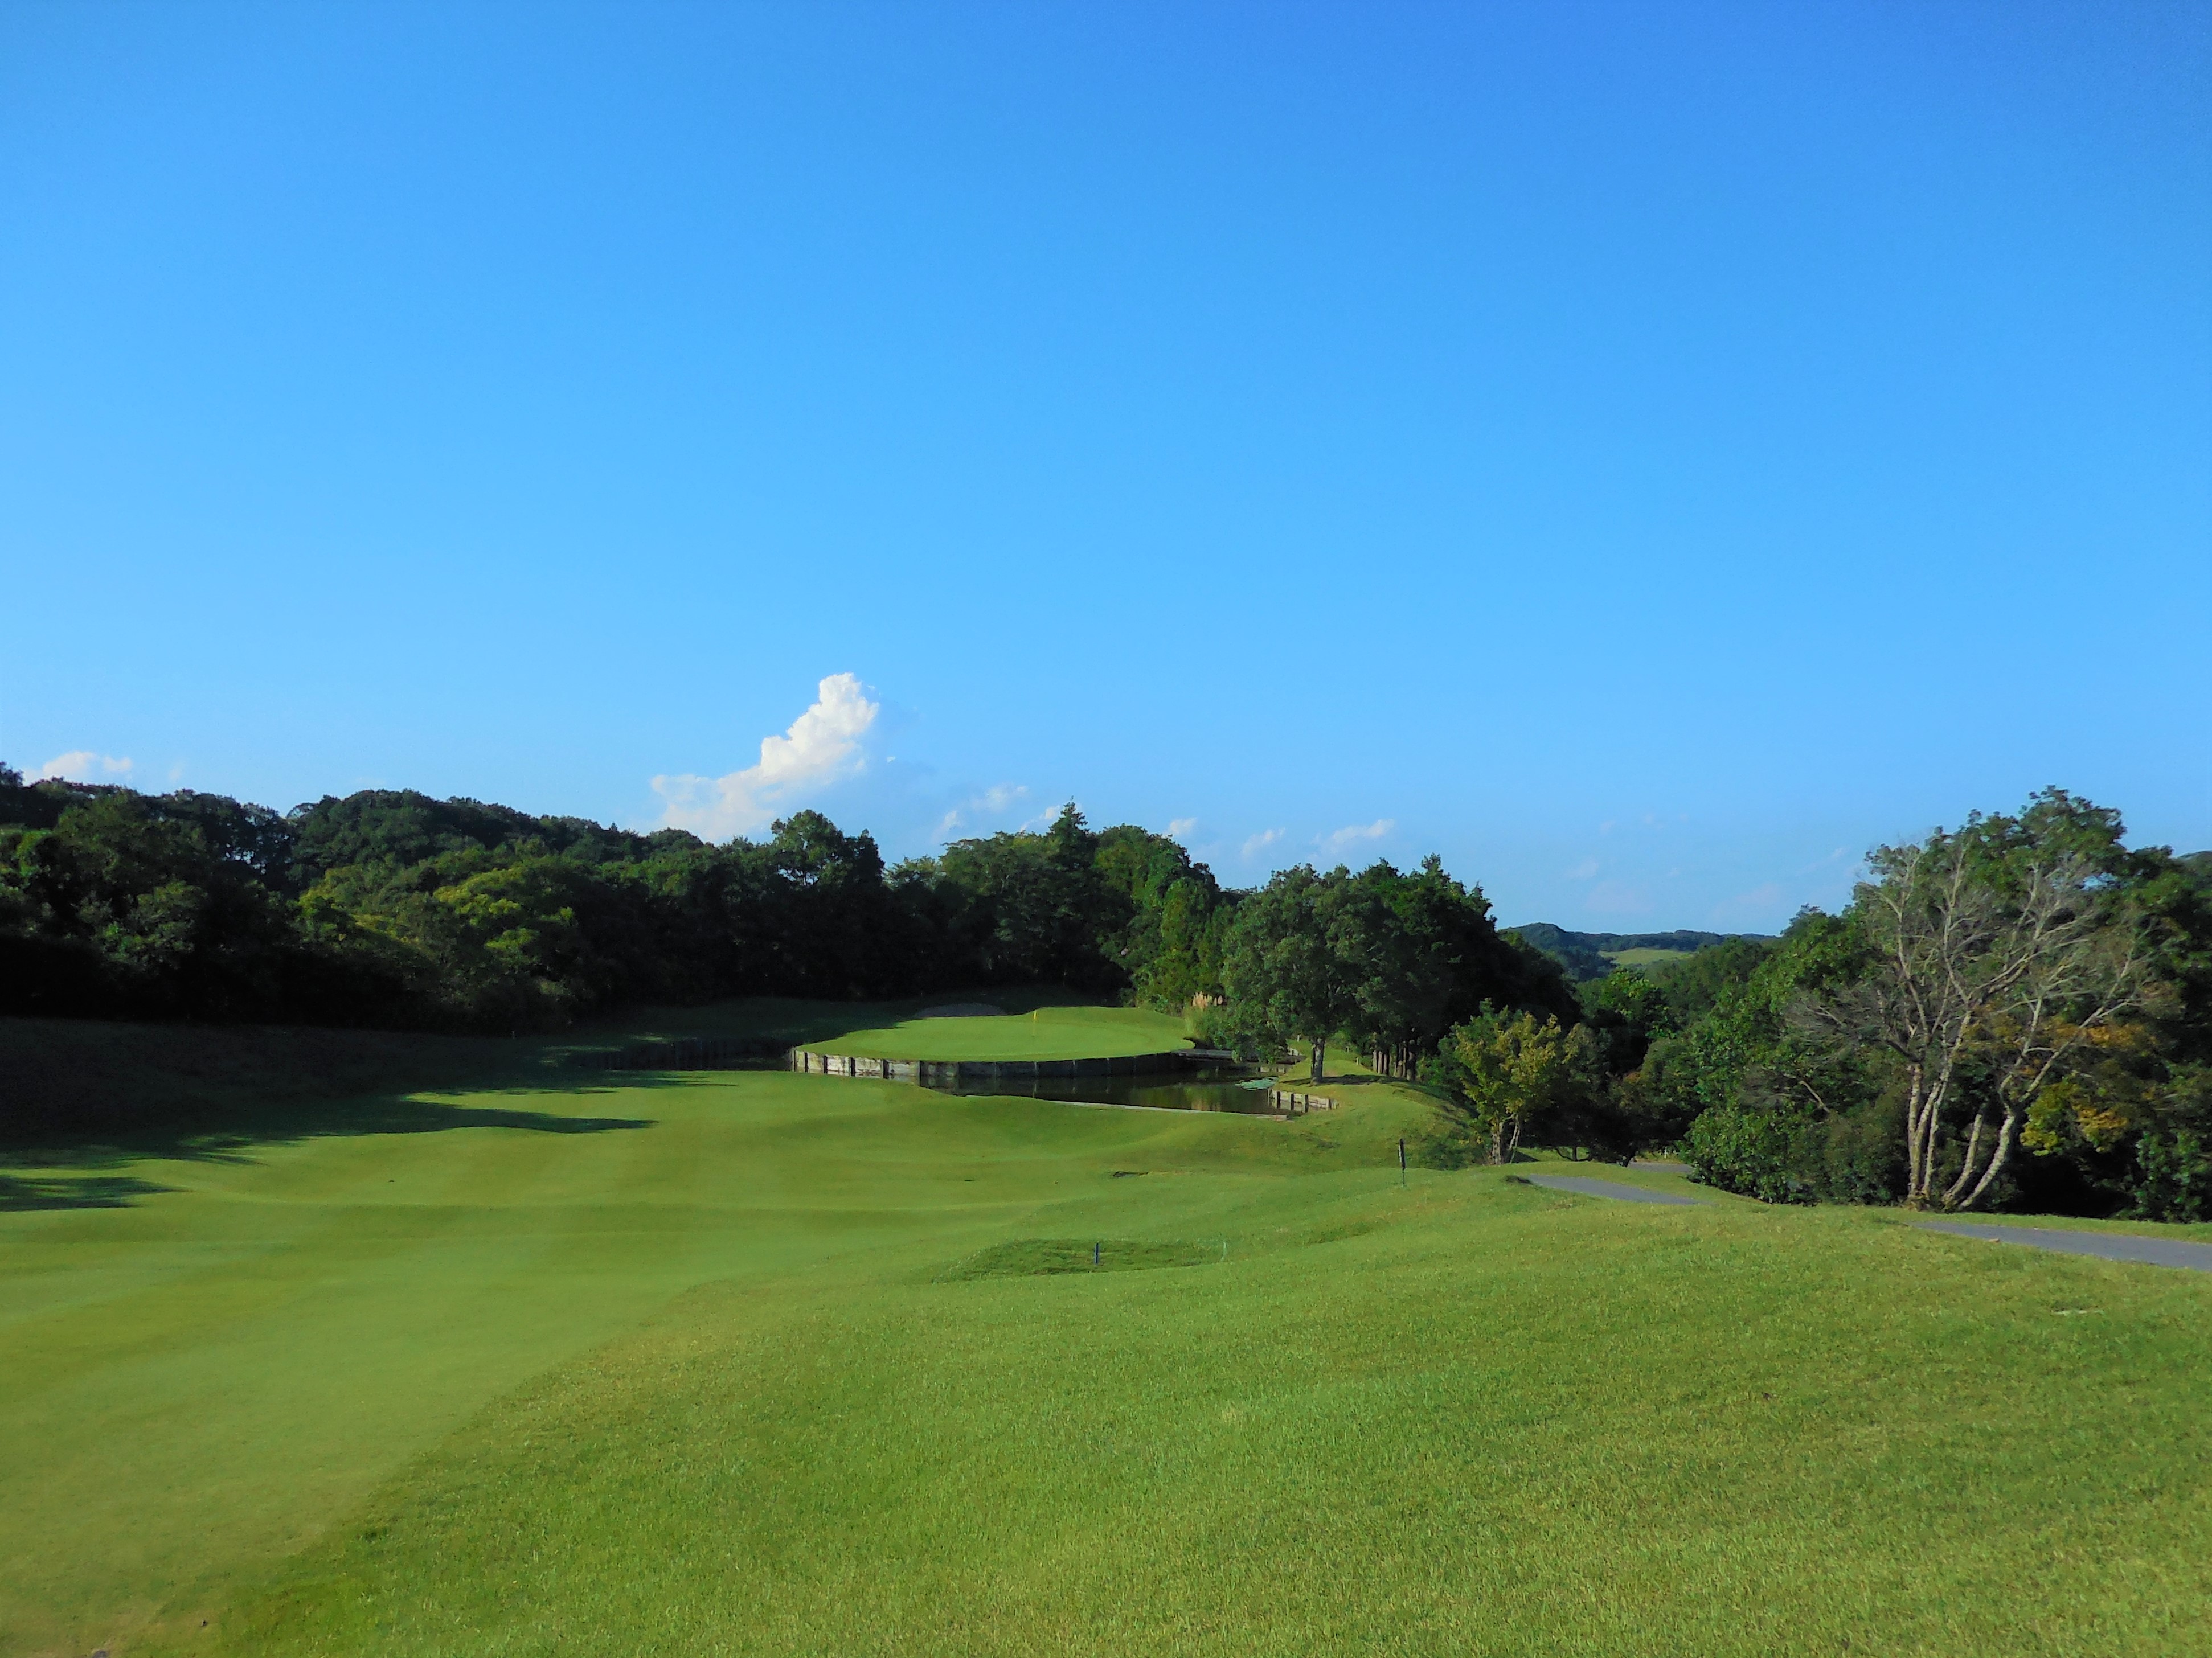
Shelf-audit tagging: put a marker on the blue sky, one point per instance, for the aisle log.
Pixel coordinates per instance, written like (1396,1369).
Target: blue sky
(1646,454)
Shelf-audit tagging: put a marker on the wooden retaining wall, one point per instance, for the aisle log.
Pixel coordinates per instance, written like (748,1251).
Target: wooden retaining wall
(951,1073)
(1297,1105)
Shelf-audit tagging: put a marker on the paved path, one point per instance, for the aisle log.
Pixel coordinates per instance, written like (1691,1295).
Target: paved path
(2112,1245)
(1603,1188)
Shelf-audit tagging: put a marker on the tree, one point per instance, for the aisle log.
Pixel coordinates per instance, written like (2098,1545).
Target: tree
(1177,917)
(1295,962)
(1506,1068)
(1628,1010)
(1990,960)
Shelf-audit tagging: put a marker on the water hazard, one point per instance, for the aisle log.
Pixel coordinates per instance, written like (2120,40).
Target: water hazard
(1215,1088)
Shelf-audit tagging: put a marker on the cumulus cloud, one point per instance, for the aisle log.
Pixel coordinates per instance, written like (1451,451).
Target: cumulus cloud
(1353,835)
(1180,827)
(824,746)
(83,766)
(1259,843)
(991,803)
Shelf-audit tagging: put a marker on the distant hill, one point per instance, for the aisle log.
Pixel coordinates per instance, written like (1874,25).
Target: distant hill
(1594,954)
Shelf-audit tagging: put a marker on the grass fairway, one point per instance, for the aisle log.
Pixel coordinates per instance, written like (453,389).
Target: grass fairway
(753,1363)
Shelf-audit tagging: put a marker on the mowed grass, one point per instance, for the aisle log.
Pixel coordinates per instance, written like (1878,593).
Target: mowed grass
(1045,1033)
(1645,958)
(806,1365)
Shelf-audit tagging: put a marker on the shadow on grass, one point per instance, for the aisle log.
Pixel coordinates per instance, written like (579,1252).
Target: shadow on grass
(19,1194)
(213,1135)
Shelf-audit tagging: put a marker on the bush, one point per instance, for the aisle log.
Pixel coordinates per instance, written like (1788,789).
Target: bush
(2175,1178)
(1862,1154)
(1759,1154)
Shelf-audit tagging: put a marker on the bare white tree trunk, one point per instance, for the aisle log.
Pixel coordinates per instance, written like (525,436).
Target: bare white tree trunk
(2013,964)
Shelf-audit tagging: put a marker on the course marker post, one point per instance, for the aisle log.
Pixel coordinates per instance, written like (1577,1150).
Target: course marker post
(1401,1161)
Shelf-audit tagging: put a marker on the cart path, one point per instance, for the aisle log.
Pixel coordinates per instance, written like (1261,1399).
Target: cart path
(1604,1188)
(2111,1246)
(2108,1245)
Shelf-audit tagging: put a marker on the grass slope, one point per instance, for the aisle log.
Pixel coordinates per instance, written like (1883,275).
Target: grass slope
(757,1362)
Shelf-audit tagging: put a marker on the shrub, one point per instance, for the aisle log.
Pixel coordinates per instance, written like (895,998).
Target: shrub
(2175,1178)
(1759,1154)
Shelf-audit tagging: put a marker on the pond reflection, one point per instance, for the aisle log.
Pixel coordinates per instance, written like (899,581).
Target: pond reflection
(1215,1088)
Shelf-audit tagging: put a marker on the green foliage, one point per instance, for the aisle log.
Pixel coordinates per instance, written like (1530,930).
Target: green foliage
(1781,1155)
(2175,1176)
(1695,984)
(1503,1069)
(1385,960)
(1770,1089)
(389,908)
(2106,1096)
(1757,1153)
(1293,970)
(1628,1010)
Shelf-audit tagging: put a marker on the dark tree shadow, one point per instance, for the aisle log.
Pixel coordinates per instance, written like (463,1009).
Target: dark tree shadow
(20,1193)
(234,1136)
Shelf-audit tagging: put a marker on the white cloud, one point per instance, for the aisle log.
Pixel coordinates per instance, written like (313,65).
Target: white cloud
(991,803)
(1583,871)
(1353,835)
(1259,843)
(1179,827)
(824,746)
(83,766)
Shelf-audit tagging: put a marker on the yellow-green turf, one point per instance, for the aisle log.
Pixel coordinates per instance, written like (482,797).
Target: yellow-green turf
(1645,958)
(1045,1033)
(756,1362)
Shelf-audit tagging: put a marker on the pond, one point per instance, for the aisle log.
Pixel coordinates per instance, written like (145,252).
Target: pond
(1216,1088)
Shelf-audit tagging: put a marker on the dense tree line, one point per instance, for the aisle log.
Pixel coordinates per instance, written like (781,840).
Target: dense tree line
(389,908)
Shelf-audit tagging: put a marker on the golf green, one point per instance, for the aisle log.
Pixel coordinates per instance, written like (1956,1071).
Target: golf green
(1048,1033)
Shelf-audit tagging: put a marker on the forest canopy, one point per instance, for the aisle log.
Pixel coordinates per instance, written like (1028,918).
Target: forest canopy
(389,908)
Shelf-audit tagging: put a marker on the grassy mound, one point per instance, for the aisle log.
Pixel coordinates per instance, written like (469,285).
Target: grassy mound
(763,1362)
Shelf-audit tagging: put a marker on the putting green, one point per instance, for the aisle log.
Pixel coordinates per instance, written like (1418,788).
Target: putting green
(1051,1033)
(754,1361)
